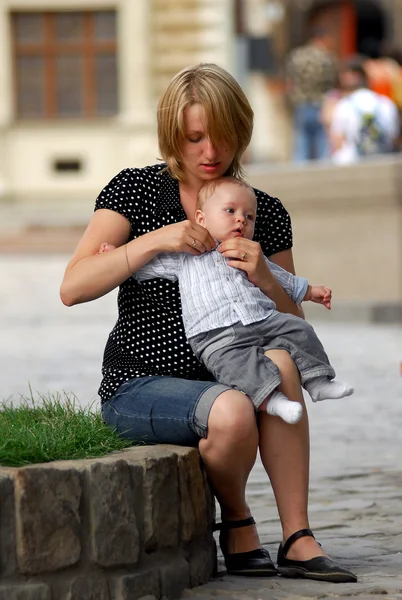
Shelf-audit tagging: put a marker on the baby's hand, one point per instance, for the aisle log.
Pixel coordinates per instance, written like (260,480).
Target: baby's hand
(319,294)
(105,247)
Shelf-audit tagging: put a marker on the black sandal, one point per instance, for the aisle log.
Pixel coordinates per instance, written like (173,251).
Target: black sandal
(256,563)
(321,568)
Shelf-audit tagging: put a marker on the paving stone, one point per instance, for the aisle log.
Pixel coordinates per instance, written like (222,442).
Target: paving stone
(175,577)
(193,501)
(202,562)
(161,508)
(88,588)
(27,591)
(47,517)
(114,530)
(138,585)
(8,558)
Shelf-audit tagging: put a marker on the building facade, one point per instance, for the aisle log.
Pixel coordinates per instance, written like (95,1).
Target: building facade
(79,83)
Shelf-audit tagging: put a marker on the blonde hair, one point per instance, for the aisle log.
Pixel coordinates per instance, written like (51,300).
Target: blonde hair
(228,113)
(209,187)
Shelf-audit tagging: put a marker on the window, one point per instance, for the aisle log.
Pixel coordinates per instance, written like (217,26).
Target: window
(65,64)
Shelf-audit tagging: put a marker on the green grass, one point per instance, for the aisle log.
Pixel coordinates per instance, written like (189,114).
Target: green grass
(51,428)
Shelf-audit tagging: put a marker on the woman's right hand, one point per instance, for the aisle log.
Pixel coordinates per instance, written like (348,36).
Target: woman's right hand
(184,237)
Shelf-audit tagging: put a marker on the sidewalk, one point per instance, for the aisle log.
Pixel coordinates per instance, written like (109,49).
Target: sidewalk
(358,520)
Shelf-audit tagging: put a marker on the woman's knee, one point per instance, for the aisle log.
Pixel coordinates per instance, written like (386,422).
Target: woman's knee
(232,415)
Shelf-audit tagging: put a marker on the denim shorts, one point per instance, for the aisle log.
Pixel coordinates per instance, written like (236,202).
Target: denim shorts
(162,410)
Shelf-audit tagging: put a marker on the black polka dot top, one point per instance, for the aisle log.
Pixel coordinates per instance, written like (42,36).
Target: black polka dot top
(148,338)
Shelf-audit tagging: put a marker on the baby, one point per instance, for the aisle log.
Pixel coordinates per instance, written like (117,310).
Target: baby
(230,323)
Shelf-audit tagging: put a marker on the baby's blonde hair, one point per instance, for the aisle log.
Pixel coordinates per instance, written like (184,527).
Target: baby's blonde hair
(208,188)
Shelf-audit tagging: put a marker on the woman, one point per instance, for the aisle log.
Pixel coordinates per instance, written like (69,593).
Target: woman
(153,388)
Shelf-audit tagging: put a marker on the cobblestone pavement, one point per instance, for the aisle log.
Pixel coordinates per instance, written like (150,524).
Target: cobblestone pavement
(356,475)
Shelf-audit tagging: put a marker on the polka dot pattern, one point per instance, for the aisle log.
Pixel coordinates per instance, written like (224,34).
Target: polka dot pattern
(148,338)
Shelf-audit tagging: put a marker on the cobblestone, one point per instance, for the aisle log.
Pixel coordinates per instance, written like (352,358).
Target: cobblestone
(356,475)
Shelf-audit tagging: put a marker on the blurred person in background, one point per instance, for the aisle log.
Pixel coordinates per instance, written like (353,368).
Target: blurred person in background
(153,389)
(382,68)
(330,101)
(383,65)
(311,72)
(364,122)
(395,56)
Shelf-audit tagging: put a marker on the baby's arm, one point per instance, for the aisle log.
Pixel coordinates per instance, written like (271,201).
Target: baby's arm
(319,294)
(299,289)
(294,286)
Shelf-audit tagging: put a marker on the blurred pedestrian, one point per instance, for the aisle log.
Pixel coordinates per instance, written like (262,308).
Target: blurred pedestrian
(395,55)
(311,72)
(330,101)
(383,65)
(364,123)
(383,68)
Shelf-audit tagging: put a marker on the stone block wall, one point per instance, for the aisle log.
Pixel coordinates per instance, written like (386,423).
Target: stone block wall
(134,524)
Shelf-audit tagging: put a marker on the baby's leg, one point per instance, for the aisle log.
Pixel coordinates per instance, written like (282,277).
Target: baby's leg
(105,247)
(322,388)
(308,353)
(278,405)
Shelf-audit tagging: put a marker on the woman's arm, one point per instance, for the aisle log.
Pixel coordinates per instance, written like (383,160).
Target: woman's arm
(276,292)
(89,275)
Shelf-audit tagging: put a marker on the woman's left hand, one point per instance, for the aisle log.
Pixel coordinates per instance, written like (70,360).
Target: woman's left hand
(247,255)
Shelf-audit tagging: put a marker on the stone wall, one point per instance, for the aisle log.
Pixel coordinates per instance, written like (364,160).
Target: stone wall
(135,524)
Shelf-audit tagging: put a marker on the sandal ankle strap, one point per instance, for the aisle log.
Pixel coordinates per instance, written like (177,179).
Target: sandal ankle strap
(234,524)
(295,536)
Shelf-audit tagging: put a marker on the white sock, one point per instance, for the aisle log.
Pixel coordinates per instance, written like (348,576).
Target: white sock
(280,406)
(321,388)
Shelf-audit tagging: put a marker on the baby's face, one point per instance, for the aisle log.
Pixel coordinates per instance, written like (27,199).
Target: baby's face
(229,212)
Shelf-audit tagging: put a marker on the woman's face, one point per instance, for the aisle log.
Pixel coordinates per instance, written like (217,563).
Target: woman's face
(201,160)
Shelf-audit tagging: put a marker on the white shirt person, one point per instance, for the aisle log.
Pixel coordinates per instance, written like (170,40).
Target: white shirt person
(364,123)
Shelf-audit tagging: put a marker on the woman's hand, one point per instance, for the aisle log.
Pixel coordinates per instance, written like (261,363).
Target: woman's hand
(247,255)
(184,237)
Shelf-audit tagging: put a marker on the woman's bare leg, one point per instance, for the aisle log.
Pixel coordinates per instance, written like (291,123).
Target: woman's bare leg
(228,454)
(285,453)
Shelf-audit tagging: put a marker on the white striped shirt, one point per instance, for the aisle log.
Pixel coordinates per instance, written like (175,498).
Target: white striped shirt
(214,294)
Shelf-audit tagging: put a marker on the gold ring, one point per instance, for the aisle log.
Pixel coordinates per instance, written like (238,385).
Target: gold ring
(244,256)
(194,244)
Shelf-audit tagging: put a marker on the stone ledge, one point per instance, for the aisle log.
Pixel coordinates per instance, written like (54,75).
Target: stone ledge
(132,524)
(356,312)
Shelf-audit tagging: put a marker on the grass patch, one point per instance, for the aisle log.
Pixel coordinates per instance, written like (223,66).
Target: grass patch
(54,427)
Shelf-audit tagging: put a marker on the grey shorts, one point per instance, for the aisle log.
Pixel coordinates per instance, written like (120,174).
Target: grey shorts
(235,355)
